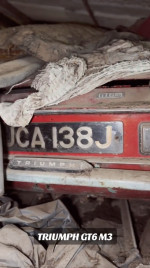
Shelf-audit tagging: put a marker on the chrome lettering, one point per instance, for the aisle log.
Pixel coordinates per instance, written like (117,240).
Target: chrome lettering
(42,164)
(27,163)
(52,164)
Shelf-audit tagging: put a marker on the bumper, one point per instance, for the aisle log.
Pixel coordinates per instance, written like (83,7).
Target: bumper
(113,180)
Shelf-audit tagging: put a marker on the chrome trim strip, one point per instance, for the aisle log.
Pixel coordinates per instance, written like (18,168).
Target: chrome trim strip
(98,177)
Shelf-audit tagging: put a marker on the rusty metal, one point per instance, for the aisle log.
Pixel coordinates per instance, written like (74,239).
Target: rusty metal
(78,190)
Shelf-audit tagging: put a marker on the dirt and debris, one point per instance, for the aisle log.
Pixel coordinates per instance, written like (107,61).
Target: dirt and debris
(88,211)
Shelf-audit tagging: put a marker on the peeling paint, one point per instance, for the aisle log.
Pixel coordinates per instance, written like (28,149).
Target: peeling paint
(111,190)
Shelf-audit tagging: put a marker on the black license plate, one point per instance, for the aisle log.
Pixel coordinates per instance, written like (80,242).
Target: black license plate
(81,137)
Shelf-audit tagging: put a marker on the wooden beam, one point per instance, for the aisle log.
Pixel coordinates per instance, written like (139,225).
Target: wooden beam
(13,14)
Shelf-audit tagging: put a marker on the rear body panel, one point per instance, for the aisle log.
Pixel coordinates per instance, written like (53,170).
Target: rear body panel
(107,128)
(131,134)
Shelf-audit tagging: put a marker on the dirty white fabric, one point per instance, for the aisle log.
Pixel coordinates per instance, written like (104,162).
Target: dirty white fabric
(75,256)
(49,215)
(143,266)
(52,42)
(74,76)
(17,249)
(67,72)
(20,249)
(113,252)
(13,71)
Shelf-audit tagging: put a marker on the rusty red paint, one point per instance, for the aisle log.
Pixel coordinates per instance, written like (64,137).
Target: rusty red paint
(67,189)
(142,28)
(131,124)
(126,166)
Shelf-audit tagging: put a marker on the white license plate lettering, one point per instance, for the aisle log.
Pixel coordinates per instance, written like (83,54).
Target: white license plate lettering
(108,139)
(68,137)
(91,137)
